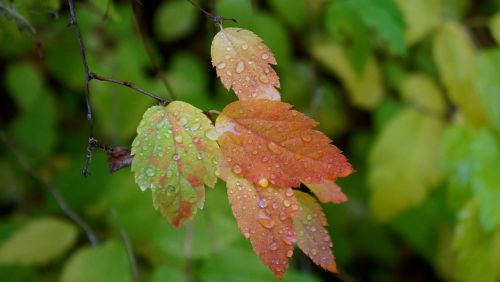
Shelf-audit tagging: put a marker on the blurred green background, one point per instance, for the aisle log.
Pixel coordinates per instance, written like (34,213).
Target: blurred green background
(408,89)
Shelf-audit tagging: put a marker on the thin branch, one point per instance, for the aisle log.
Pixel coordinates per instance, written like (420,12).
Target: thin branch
(215,18)
(128,247)
(140,29)
(52,189)
(74,23)
(131,86)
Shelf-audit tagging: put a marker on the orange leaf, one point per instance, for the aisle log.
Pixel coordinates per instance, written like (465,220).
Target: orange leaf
(312,237)
(264,216)
(328,192)
(242,62)
(266,142)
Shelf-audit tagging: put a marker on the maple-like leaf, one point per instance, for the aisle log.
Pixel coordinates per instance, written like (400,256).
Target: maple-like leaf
(328,192)
(267,142)
(264,216)
(175,155)
(242,62)
(312,237)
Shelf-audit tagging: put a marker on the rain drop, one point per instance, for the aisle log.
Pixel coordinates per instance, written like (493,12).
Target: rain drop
(265,56)
(178,139)
(289,192)
(195,126)
(273,246)
(289,253)
(240,67)
(262,203)
(244,46)
(306,137)
(176,157)
(286,203)
(265,220)
(183,121)
(263,182)
(211,134)
(274,148)
(237,169)
(221,66)
(314,252)
(150,171)
(263,79)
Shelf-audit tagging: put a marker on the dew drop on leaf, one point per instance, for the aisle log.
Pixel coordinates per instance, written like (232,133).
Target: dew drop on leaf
(237,169)
(265,220)
(240,67)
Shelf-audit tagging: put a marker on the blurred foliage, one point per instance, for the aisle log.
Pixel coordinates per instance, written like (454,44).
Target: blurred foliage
(409,89)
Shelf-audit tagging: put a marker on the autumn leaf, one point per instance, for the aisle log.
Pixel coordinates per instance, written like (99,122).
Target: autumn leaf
(175,155)
(328,192)
(312,237)
(264,216)
(242,62)
(267,142)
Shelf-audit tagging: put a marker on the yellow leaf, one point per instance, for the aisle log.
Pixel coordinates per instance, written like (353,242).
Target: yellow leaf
(495,27)
(421,17)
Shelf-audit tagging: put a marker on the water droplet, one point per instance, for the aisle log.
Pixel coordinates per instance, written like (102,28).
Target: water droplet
(176,157)
(246,234)
(211,134)
(150,172)
(263,182)
(273,246)
(314,252)
(262,203)
(289,240)
(282,216)
(306,137)
(313,229)
(265,56)
(244,46)
(195,126)
(227,57)
(221,66)
(237,169)
(265,220)
(263,79)
(183,121)
(289,192)
(274,148)
(178,139)
(200,156)
(326,238)
(295,207)
(289,253)
(275,205)
(240,67)
(286,203)
(309,217)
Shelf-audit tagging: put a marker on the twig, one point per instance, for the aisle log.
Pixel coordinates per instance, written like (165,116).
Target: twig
(128,247)
(73,22)
(219,20)
(52,189)
(131,86)
(140,29)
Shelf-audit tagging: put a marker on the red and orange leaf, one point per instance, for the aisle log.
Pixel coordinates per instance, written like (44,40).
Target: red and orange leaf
(264,216)
(242,62)
(328,192)
(312,237)
(267,142)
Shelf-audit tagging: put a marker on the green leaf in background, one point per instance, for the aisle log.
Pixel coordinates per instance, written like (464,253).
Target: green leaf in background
(24,83)
(175,155)
(346,27)
(495,27)
(168,273)
(365,90)
(404,162)
(478,251)
(175,19)
(293,12)
(106,263)
(486,177)
(487,83)
(421,18)
(456,162)
(329,109)
(454,54)
(38,242)
(34,130)
(242,10)
(385,17)
(422,93)
(216,225)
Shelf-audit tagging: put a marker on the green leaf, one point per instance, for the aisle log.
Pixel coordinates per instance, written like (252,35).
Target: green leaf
(486,179)
(478,251)
(422,93)
(25,94)
(365,90)
(454,54)
(175,155)
(495,27)
(38,242)
(487,83)
(175,19)
(421,17)
(293,12)
(106,263)
(404,162)
(386,18)
(346,27)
